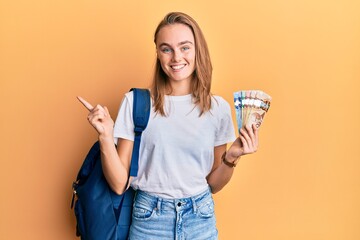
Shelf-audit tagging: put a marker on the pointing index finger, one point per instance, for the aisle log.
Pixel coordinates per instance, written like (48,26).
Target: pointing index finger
(85,103)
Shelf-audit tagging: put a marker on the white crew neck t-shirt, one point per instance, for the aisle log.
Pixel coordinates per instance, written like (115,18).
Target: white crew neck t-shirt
(176,151)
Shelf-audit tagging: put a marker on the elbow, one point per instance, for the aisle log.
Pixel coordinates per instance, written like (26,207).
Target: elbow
(214,189)
(119,189)
(117,185)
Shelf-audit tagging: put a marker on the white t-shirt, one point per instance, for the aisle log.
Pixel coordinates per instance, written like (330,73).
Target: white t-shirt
(176,151)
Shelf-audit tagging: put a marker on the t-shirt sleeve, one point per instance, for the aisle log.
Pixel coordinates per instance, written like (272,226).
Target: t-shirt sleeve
(124,125)
(225,131)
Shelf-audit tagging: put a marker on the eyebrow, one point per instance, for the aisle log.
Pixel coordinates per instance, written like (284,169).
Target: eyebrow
(179,44)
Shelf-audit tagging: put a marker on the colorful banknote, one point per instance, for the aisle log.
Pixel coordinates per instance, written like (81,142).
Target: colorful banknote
(250,107)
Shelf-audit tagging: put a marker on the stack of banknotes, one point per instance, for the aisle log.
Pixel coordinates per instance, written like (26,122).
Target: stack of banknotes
(250,107)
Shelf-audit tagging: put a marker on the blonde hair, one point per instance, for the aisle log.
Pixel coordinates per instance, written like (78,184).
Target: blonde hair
(201,82)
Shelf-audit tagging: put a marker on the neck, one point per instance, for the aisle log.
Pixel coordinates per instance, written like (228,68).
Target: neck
(180,88)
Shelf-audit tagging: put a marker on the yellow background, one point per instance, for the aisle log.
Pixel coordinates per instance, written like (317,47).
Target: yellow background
(304,181)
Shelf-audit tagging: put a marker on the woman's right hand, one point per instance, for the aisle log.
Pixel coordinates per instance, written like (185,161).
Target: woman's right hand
(99,117)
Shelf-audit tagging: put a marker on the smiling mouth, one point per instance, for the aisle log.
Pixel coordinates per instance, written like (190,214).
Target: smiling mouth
(178,67)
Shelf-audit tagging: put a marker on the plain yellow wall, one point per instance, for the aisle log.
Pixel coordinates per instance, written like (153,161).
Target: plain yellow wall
(303,183)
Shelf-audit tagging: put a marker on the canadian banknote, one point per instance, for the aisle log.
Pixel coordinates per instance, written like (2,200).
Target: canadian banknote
(250,107)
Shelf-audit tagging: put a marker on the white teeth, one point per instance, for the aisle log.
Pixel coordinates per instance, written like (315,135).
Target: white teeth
(177,67)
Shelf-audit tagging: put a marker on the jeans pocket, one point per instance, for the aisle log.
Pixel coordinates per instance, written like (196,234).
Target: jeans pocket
(206,208)
(142,212)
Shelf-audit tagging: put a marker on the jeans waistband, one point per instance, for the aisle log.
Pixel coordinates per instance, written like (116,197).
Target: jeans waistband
(173,204)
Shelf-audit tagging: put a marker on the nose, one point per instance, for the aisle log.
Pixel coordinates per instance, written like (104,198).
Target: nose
(177,56)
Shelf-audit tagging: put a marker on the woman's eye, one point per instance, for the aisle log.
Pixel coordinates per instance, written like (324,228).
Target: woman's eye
(166,50)
(185,48)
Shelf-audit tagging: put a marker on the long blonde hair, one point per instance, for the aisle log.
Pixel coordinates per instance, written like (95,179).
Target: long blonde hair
(201,82)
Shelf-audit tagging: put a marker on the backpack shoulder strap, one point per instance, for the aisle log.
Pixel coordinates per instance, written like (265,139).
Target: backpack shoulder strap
(141,113)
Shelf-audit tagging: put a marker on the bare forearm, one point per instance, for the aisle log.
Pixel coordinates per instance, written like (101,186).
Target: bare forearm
(114,170)
(220,174)
(220,177)
(246,143)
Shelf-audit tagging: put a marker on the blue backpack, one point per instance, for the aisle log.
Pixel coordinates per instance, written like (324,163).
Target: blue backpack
(100,213)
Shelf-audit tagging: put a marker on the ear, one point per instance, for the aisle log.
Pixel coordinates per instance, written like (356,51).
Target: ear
(156,53)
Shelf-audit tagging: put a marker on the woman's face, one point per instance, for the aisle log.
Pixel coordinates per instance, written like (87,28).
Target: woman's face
(175,46)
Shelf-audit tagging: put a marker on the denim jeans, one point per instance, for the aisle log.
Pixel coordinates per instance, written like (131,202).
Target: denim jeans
(177,219)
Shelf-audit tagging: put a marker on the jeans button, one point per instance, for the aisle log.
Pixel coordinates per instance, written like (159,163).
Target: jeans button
(179,204)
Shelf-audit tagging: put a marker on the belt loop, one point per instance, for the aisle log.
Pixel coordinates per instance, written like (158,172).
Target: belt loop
(194,204)
(158,206)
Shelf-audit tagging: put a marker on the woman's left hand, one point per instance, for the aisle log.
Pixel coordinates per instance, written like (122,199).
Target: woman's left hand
(246,143)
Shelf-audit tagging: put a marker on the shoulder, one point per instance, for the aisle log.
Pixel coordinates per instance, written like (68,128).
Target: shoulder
(219,107)
(129,96)
(219,102)
(128,99)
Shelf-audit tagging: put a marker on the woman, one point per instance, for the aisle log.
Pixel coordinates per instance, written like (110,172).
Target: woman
(183,157)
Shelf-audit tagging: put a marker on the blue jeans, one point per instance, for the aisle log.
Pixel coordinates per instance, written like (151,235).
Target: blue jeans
(177,219)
